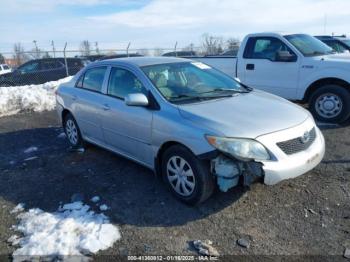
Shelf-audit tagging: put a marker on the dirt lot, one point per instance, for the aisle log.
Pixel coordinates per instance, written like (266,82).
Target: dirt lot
(309,215)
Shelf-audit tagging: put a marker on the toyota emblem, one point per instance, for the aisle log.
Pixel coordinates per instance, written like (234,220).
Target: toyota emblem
(305,138)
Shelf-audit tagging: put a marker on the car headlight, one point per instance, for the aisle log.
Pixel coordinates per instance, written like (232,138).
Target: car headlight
(241,148)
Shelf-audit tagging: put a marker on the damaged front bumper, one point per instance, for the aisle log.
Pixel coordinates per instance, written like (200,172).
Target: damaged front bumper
(229,171)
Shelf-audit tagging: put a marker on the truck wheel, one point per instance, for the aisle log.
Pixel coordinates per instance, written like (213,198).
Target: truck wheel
(187,177)
(330,103)
(72,131)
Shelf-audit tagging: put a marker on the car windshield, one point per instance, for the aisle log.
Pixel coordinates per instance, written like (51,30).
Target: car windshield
(191,81)
(309,45)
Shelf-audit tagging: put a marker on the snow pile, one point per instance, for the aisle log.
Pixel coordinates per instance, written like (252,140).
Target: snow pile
(15,99)
(73,230)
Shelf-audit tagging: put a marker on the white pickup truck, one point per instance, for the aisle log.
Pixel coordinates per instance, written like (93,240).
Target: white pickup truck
(297,67)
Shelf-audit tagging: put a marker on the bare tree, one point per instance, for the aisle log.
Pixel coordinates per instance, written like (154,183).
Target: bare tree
(85,48)
(232,43)
(212,45)
(2,59)
(190,47)
(36,53)
(19,54)
(158,51)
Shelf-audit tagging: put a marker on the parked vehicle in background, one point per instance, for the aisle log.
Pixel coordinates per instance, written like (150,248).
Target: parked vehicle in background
(344,39)
(119,56)
(180,53)
(4,69)
(191,123)
(298,67)
(336,44)
(91,58)
(40,71)
(232,52)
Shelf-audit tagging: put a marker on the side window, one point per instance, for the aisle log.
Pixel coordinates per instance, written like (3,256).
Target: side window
(5,67)
(49,65)
(122,82)
(336,46)
(30,67)
(265,48)
(92,79)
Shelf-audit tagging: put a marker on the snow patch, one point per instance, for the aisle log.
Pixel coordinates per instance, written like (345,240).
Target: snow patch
(95,199)
(18,208)
(62,135)
(104,207)
(31,158)
(72,230)
(37,98)
(30,150)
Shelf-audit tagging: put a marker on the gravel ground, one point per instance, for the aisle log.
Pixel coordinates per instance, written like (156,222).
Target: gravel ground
(306,216)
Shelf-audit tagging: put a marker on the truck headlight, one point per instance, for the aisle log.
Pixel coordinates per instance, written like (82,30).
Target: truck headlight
(241,148)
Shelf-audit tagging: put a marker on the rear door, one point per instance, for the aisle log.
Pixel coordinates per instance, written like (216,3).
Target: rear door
(87,101)
(127,129)
(262,70)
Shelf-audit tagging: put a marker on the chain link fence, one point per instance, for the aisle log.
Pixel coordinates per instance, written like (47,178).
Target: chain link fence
(38,67)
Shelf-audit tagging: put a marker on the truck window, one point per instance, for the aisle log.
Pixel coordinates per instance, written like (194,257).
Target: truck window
(264,48)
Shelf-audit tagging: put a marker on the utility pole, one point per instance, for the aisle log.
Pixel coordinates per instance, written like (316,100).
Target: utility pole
(175,48)
(53,48)
(36,49)
(96,48)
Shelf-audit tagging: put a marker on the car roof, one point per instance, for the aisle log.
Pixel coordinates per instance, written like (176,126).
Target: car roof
(143,61)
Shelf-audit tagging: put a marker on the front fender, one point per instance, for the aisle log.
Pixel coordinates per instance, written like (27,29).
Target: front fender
(320,74)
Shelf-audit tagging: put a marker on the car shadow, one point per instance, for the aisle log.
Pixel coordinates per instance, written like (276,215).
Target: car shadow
(49,174)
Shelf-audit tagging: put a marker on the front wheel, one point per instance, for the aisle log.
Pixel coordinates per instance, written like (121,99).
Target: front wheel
(188,178)
(330,103)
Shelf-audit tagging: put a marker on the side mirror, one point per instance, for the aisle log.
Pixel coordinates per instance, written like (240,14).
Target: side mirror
(138,99)
(285,56)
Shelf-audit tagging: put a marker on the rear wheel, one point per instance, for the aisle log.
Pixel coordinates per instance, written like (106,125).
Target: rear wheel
(188,178)
(330,103)
(72,131)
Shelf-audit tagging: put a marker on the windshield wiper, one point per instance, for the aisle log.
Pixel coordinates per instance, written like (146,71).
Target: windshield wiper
(199,97)
(224,90)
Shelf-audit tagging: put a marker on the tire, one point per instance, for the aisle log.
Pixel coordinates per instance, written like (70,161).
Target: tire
(195,176)
(330,103)
(72,131)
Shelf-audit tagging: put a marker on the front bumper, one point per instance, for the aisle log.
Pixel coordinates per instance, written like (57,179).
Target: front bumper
(291,166)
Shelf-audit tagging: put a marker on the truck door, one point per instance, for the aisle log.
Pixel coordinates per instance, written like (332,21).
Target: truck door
(263,69)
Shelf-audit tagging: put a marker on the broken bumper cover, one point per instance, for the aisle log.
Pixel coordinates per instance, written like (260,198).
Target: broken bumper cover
(292,166)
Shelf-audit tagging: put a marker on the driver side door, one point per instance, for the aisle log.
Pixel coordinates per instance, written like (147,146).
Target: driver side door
(263,70)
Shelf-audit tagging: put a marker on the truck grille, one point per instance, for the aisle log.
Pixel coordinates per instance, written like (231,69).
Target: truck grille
(298,144)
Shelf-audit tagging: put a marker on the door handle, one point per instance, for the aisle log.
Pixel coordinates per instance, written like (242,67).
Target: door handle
(250,67)
(74,97)
(106,107)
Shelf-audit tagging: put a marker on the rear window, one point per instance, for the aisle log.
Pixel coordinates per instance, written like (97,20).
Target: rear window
(92,79)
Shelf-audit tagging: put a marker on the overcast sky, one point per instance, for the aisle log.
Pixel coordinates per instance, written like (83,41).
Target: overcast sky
(160,23)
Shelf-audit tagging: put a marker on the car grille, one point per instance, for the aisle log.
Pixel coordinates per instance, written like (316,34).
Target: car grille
(297,145)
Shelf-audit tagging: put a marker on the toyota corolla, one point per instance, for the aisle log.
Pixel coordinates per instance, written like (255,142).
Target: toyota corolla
(192,124)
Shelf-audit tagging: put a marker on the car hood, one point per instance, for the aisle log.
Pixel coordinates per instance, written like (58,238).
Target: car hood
(245,115)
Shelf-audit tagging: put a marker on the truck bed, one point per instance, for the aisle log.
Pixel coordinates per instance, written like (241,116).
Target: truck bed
(226,64)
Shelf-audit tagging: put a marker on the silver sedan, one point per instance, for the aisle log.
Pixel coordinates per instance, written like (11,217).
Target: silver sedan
(195,126)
